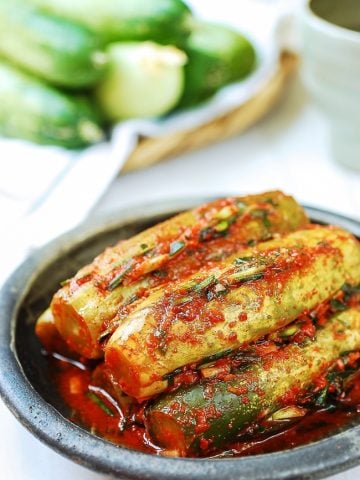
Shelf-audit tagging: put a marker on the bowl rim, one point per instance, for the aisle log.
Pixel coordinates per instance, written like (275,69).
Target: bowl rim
(316,460)
(329,28)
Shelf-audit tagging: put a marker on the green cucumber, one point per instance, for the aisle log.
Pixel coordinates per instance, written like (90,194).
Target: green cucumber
(143,79)
(34,111)
(54,49)
(163,21)
(217,56)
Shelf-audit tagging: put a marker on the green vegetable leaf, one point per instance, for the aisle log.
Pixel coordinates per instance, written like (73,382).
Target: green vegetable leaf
(99,402)
(207,282)
(320,400)
(117,280)
(243,260)
(221,226)
(263,215)
(289,331)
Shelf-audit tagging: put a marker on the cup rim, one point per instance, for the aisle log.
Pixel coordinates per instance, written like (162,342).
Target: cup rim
(326,26)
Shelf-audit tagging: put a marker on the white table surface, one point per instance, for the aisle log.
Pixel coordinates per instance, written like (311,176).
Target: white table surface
(288,150)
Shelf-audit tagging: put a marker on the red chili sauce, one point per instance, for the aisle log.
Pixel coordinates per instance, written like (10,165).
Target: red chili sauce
(95,405)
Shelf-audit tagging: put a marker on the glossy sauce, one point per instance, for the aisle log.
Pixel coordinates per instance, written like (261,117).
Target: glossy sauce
(90,397)
(82,386)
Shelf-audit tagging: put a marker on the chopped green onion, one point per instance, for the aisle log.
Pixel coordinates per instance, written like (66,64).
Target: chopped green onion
(221,226)
(289,331)
(204,284)
(65,282)
(271,202)
(182,300)
(144,247)
(337,305)
(205,234)
(251,242)
(214,357)
(160,273)
(117,280)
(224,213)
(243,260)
(263,215)
(219,289)
(287,413)
(171,375)
(252,273)
(176,247)
(320,400)
(349,289)
(97,400)
(241,206)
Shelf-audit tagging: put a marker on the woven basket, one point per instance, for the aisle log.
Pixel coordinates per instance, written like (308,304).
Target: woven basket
(151,150)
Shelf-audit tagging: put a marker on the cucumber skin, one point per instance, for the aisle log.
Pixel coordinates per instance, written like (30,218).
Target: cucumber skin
(265,387)
(34,111)
(163,21)
(54,49)
(217,56)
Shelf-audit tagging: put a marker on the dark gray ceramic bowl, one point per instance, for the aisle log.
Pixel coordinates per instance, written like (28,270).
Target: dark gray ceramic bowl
(26,388)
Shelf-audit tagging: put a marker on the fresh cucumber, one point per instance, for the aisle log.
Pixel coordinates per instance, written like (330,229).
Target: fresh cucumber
(217,55)
(143,79)
(34,111)
(163,21)
(54,49)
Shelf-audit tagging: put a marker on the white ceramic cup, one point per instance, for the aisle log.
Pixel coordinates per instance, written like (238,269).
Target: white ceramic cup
(331,70)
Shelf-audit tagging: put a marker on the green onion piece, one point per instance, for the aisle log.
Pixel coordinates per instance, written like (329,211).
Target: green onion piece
(241,206)
(176,247)
(337,305)
(224,213)
(182,300)
(251,242)
(117,280)
(320,400)
(289,331)
(97,400)
(204,284)
(65,282)
(221,226)
(144,247)
(263,215)
(252,273)
(287,413)
(243,260)
(350,289)
(214,357)
(169,376)
(205,234)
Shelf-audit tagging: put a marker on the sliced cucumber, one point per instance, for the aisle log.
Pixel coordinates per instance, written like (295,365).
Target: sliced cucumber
(143,79)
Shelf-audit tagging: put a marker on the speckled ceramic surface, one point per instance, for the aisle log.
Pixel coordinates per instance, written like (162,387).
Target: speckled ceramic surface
(26,388)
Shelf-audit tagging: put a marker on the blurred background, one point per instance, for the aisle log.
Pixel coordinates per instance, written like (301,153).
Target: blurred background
(124,104)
